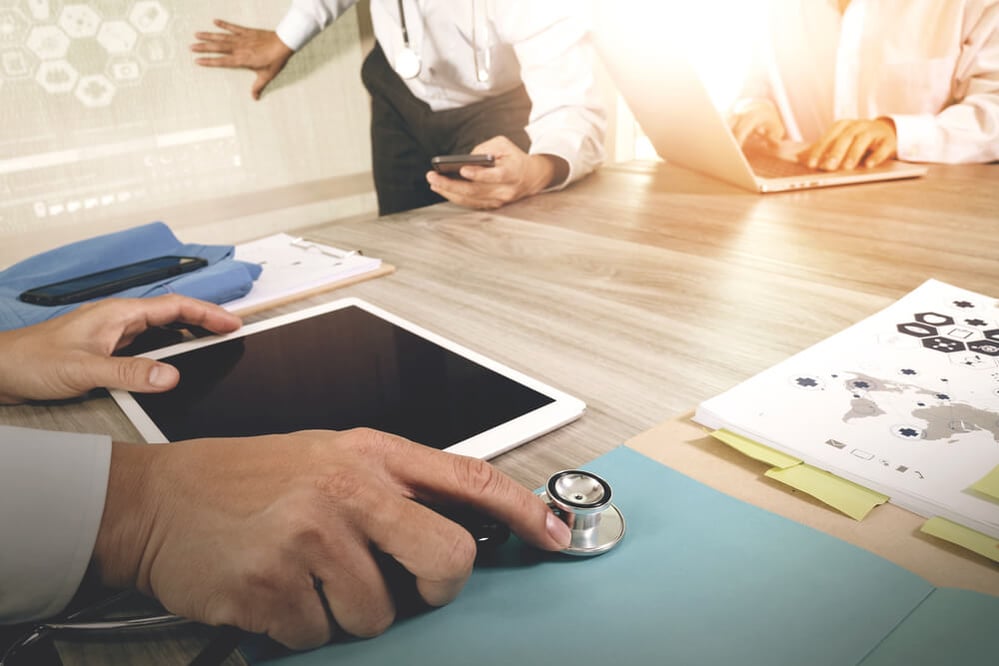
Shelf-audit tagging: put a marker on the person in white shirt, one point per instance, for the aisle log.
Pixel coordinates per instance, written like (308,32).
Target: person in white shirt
(270,534)
(513,79)
(863,81)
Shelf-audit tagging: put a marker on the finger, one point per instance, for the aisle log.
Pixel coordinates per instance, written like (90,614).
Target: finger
(138,374)
(880,155)
(355,590)
(497,145)
(231,27)
(140,314)
(835,153)
(438,552)
(449,187)
(460,479)
(494,174)
(212,47)
(815,154)
(299,621)
(221,61)
(213,37)
(858,148)
(263,78)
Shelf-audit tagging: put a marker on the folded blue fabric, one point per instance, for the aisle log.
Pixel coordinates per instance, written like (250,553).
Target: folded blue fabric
(224,279)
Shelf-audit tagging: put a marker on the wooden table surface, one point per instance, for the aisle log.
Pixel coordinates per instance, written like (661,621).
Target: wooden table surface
(646,288)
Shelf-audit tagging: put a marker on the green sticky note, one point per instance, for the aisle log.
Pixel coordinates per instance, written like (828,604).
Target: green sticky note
(963,536)
(754,450)
(989,484)
(854,500)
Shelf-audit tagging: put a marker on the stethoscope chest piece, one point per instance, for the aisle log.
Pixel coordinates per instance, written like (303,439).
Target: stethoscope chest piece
(407,63)
(582,500)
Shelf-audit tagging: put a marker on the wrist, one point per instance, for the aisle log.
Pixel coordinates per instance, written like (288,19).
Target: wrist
(888,122)
(278,49)
(127,520)
(11,384)
(546,171)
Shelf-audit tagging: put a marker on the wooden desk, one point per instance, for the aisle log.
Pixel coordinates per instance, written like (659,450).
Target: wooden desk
(646,288)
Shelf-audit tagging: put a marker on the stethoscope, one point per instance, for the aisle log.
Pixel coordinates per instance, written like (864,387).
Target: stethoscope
(407,61)
(581,499)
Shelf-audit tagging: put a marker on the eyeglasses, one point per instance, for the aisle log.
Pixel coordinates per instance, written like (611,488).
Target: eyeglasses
(83,622)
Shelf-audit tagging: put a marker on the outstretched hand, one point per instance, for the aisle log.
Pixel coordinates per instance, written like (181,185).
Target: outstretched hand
(259,51)
(71,354)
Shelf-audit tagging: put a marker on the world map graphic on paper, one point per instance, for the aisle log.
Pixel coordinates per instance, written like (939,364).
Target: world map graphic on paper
(905,402)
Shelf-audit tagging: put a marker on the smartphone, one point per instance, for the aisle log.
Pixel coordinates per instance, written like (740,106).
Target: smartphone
(111,281)
(451,164)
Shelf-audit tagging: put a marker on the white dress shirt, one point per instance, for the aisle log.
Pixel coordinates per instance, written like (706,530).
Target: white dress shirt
(932,66)
(52,491)
(543,44)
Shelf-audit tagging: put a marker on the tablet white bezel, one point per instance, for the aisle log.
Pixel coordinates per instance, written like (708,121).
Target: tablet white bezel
(485,445)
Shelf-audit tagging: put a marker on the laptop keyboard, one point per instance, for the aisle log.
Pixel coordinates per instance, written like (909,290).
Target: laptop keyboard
(770,166)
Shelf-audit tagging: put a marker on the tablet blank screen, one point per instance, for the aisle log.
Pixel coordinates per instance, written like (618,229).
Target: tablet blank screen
(342,369)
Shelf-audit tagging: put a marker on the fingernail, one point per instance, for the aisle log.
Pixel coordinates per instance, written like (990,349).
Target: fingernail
(830,164)
(812,163)
(158,378)
(558,530)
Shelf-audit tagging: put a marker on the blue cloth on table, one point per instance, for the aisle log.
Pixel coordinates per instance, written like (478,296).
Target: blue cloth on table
(224,279)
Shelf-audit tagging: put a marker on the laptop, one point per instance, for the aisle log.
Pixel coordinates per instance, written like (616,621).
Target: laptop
(676,112)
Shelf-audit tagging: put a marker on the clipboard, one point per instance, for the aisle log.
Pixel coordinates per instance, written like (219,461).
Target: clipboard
(295,268)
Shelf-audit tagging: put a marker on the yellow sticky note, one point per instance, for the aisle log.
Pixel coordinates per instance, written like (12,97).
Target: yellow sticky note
(989,484)
(754,450)
(852,499)
(963,536)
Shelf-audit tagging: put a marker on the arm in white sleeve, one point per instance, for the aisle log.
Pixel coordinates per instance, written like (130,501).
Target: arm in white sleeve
(306,18)
(968,130)
(556,55)
(52,491)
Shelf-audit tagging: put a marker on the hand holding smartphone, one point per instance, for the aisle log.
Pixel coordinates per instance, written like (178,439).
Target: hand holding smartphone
(450,165)
(111,281)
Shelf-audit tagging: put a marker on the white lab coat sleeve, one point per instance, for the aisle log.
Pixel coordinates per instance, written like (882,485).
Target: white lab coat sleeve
(967,130)
(52,491)
(556,54)
(306,18)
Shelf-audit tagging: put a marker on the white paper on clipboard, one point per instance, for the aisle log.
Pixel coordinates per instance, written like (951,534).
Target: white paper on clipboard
(293,266)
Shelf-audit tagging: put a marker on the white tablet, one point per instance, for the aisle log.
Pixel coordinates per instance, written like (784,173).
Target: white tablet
(342,365)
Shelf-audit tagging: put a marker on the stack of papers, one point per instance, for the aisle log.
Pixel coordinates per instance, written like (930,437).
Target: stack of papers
(905,403)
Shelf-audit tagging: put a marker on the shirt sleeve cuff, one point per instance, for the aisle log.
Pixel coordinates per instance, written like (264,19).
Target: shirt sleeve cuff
(917,137)
(297,28)
(52,491)
(581,162)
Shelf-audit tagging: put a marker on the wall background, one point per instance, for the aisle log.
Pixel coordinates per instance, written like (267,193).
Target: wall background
(106,123)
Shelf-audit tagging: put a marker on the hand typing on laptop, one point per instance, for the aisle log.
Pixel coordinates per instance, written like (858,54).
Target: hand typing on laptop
(756,120)
(852,143)
(847,144)
(278,534)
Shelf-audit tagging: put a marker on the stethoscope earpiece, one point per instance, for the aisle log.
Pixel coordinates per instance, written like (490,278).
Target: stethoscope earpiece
(582,500)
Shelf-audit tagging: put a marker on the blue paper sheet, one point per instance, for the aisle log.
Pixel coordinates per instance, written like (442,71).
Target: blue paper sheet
(700,578)
(224,279)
